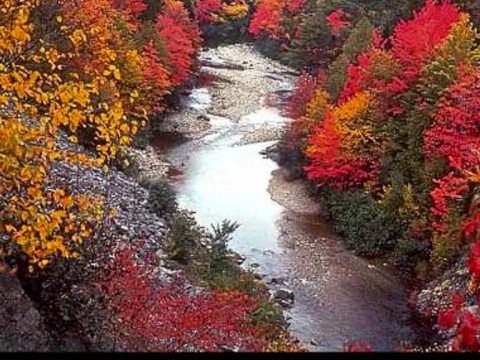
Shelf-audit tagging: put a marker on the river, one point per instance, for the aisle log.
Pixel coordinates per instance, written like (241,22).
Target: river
(220,174)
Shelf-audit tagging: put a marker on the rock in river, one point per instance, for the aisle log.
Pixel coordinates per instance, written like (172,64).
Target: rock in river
(285,297)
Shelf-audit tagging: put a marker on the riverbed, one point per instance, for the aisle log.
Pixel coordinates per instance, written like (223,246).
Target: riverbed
(214,144)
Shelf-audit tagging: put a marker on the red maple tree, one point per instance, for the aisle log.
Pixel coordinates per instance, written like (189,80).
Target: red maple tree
(415,40)
(133,8)
(181,38)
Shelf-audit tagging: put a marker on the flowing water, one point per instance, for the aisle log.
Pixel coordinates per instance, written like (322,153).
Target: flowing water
(338,296)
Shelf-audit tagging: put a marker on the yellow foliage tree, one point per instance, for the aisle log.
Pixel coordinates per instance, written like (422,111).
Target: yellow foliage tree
(42,95)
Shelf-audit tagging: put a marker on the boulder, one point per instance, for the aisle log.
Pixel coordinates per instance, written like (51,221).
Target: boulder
(21,327)
(284,297)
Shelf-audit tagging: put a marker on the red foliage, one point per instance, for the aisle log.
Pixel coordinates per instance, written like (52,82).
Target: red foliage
(357,78)
(455,132)
(159,317)
(449,189)
(205,8)
(474,260)
(336,22)
(133,8)
(302,94)
(447,319)
(155,76)
(267,18)
(295,6)
(414,40)
(181,38)
(454,136)
(330,165)
(357,346)
(465,323)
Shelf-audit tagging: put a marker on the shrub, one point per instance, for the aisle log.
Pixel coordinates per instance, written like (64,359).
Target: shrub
(410,253)
(184,238)
(162,197)
(219,238)
(161,317)
(367,227)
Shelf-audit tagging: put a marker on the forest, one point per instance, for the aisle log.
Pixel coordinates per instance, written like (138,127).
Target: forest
(98,251)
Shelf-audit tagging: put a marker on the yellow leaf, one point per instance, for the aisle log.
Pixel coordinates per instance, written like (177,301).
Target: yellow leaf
(117,75)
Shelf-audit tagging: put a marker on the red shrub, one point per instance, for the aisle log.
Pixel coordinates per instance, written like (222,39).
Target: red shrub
(357,346)
(159,317)
(302,94)
(205,8)
(465,323)
(267,18)
(336,21)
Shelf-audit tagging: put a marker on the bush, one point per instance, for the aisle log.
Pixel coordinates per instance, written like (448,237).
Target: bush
(143,138)
(162,197)
(184,239)
(233,32)
(220,236)
(409,253)
(368,227)
(269,47)
(291,157)
(127,162)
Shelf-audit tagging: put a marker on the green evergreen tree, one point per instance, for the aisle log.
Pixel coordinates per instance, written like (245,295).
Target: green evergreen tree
(313,46)
(357,42)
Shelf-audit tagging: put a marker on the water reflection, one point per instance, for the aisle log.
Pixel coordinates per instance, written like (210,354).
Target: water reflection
(232,183)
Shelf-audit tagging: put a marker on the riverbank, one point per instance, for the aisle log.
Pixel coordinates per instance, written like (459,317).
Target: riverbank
(238,80)
(349,293)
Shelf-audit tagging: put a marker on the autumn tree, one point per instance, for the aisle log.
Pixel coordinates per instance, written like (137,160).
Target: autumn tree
(385,130)
(181,38)
(37,99)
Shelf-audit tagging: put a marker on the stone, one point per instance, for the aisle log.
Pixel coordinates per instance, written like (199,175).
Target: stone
(277,281)
(257,277)
(203,118)
(237,258)
(19,319)
(285,298)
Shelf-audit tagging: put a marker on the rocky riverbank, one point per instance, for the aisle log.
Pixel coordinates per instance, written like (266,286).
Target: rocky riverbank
(335,291)
(240,78)
(437,294)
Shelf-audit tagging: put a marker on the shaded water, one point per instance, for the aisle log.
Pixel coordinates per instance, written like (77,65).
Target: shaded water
(337,296)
